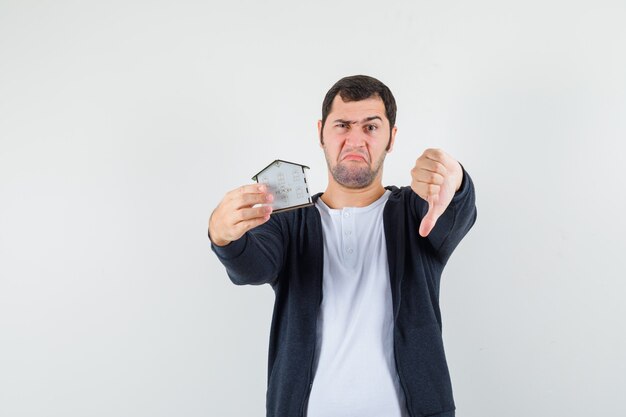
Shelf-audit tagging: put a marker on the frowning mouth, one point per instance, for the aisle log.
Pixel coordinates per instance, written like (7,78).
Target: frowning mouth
(354,157)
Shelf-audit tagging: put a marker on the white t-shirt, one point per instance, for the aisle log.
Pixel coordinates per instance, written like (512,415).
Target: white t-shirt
(355,372)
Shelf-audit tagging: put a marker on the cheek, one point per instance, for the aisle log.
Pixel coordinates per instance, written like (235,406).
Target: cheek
(330,147)
(333,143)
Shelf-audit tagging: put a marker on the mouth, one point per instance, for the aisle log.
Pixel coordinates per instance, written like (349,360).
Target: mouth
(354,157)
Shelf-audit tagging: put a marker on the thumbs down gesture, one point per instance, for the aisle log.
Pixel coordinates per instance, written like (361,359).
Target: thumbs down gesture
(436,177)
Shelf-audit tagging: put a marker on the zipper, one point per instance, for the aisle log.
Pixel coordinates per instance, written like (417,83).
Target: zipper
(395,349)
(308,393)
(305,400)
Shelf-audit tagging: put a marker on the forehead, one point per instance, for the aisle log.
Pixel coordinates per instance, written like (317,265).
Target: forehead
(357,110)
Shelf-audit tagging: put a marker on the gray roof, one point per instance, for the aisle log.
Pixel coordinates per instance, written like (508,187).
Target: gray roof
(278,160)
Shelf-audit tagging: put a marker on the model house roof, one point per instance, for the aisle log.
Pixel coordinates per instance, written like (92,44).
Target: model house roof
(278,160)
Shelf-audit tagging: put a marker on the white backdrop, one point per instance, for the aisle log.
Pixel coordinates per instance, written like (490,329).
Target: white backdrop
(123,123)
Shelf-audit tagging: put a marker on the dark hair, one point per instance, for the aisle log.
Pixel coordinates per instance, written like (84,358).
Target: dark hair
(360,87)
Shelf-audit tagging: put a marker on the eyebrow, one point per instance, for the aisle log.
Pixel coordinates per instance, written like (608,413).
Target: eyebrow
(349,122)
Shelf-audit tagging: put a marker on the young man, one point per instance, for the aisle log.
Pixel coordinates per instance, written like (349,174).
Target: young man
(356,329)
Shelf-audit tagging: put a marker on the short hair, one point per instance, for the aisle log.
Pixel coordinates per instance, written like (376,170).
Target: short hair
(360,87)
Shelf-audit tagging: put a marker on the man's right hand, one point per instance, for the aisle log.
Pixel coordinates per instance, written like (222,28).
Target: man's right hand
(235,214)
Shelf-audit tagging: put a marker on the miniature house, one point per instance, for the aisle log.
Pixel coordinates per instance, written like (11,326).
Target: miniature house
(286,181)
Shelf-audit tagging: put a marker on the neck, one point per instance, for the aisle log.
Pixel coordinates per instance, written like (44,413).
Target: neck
(337,196)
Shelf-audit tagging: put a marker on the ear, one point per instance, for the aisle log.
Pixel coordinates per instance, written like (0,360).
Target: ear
(392,139)
(319,133)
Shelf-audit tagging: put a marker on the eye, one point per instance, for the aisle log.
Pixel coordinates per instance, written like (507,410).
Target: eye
(372,128)
(341,125)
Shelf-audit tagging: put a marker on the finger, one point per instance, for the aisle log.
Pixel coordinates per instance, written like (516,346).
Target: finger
(434,212)
(250,188)
(436,155)
(248,195)
(244,226)
(428,177)
(424,189)
(433,166)
(250,199)
(244,215)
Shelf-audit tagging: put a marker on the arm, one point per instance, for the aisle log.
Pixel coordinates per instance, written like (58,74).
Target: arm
(256,257)
(247,241)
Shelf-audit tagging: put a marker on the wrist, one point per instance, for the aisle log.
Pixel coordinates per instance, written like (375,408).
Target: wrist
(459,178)
(215,239)
(219,242)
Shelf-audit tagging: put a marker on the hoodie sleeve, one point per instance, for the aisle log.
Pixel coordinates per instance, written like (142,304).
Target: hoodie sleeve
(255,258)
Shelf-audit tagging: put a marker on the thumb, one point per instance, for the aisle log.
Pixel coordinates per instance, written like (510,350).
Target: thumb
(428,222)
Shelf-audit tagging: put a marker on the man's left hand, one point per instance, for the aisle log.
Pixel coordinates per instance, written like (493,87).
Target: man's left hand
(435,178)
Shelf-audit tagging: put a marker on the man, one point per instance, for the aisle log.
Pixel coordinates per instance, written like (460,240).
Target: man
(356,329)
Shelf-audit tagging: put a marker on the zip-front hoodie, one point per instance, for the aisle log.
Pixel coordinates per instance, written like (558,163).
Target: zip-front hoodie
(287,253)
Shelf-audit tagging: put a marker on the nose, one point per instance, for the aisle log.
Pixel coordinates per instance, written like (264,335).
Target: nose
(355,138)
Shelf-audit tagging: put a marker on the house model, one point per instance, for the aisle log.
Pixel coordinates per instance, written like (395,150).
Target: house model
(286,181)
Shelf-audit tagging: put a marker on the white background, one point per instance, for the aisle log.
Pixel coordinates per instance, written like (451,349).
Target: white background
(123,123)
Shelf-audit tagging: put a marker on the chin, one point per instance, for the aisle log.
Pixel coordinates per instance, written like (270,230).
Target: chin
(353,178)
